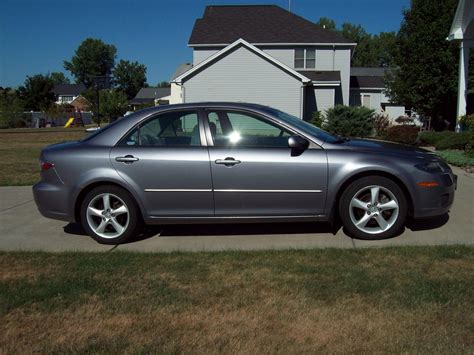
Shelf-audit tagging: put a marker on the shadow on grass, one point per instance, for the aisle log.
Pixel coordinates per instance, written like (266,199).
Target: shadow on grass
(229,230)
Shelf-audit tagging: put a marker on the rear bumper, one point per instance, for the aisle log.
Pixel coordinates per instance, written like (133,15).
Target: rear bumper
(53,201)
(432,202)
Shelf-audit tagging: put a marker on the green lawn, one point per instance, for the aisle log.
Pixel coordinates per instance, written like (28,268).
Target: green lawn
(456,157)
(20,150)
(417,300)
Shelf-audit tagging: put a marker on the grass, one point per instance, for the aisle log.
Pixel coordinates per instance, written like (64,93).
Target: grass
(20,150)
(411,299)
(456,157)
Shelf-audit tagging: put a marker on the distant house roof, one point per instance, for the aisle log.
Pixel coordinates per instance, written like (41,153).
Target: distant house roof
(69,89)
(181,69)
(152,93)
(258,24)
(371,77)
(321,75)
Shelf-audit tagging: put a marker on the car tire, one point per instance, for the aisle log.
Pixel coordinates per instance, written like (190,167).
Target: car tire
(110,215)
(372,208)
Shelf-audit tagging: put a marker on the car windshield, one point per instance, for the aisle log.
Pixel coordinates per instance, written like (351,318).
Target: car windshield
(303,125)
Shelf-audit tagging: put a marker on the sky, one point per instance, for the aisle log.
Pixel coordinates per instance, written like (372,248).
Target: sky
(36,36)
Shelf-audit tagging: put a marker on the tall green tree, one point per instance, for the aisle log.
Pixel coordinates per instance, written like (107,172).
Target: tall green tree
(426,78)
(37,93)
(112,103)
(59,78)
(11,108)
(130,77)
(92,58)
(163,84)
(327,23)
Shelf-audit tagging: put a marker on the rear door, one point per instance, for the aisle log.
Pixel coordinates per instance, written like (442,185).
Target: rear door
(254,171)
(164,160)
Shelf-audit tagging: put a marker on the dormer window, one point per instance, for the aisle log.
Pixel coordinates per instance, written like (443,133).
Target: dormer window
(305,58)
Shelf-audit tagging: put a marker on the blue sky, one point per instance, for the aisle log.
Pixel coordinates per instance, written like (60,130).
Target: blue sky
(37,35)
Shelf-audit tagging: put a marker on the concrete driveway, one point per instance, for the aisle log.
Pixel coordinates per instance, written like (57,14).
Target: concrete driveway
(23,228)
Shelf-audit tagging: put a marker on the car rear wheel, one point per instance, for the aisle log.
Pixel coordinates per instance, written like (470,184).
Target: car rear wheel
(373,207)
(109,215)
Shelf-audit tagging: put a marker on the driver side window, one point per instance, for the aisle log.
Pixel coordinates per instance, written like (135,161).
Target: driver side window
(241,129)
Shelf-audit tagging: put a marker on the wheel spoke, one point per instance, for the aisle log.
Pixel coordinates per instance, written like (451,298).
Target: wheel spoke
(374,194)
(363,221)
(121,210)
(94,212)
(101,227)
(381,221)
(390,205)
(356,203)
(106,201)
(118,228)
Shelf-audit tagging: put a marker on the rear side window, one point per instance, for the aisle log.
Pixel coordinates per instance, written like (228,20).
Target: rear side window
(171,129)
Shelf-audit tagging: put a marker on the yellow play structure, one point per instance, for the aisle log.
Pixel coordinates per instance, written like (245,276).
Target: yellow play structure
(69,122)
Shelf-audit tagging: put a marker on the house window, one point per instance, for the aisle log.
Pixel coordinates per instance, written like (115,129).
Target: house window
(305,58)
(65,99)
(366,100)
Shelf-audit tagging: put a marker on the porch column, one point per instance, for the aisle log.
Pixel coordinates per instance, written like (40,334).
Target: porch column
(462,82)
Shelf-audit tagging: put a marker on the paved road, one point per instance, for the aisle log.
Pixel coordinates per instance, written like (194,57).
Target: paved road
(23,228)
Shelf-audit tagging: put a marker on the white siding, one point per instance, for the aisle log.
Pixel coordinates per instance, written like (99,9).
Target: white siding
(324,98)
(201,54)
(175,97)
(243,76)
(325,59)
(283,55)
(377,97)
(342,63)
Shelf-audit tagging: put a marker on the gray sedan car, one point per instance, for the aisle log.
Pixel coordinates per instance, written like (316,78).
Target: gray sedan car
(233,162)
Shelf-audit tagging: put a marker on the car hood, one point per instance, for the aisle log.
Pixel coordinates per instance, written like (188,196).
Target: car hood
(384,147)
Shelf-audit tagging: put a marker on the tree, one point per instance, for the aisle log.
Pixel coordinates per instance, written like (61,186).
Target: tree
(426,78)
(36,93)
(92,58)
(11,108)
(163,84)
(112,103)
(130,77)
(59,78)
(327,23)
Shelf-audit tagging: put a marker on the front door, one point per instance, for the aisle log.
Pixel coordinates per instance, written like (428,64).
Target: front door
(164,161)
(255,173)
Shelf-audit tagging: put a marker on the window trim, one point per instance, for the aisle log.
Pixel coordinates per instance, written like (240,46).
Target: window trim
(305,57)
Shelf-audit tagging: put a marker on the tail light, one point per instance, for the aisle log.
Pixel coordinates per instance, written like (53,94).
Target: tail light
(46,165)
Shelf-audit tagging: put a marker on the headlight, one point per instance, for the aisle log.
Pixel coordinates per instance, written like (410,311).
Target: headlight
(433,167)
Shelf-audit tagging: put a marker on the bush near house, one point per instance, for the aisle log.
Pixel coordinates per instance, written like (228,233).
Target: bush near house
(349,121)
(317,119)
(453,141)
(402,134)
(456,157)
(431,138)
(469,121)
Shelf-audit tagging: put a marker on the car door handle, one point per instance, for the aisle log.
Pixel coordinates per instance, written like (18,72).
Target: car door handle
(227,161)
(128,159)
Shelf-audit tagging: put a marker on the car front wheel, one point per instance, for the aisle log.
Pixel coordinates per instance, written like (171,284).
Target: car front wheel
(373,208)
(109,215)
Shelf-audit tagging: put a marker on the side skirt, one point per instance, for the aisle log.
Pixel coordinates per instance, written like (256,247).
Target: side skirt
(234,219)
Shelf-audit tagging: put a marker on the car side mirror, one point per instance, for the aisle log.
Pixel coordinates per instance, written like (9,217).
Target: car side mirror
(297,143)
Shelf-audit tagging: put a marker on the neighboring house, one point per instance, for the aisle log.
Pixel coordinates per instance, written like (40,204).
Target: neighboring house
(151,96)
(462,30)
(67,93)
(265,54)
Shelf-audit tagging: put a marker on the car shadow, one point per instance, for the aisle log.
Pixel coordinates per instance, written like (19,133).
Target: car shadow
(229,230)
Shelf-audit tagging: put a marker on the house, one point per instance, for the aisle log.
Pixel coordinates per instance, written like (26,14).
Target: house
(268,55)
(67,93)
(462,30)
(367,88)
(151,96)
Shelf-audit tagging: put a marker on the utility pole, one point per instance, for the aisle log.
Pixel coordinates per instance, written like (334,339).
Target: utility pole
(289,5)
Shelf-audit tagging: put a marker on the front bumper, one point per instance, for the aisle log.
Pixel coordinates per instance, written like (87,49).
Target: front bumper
(53,201)
(435,201)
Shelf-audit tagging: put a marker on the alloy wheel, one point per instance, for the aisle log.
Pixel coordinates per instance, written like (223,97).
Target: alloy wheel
(108,215)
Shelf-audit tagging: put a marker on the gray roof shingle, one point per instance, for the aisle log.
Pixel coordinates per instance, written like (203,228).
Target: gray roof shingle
(152,93)
(69,89)
(258,24)
(321,75)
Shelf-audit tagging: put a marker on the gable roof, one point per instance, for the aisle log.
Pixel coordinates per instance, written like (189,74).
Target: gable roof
(259,24)
(182,68)
(370,77)
(321,76)
(69,89)
(241,42)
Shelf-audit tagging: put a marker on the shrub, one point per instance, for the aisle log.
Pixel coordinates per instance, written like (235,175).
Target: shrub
(432,138)
(381,124)
(453,141)
(317,119)
(349,121)
(456,157)
(404,120)
(469,122)
(402,134)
